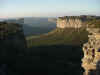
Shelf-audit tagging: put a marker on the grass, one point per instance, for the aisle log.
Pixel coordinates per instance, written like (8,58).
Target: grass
(58,36)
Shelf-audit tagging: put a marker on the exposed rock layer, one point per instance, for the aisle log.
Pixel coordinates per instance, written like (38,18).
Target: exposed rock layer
(71,22)
(91,49)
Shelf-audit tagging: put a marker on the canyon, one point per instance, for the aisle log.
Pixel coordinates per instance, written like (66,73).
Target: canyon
(67,39)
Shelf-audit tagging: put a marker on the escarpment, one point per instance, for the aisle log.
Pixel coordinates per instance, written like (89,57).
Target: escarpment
(76,21)
(11,38)
(91,49)
(71,22)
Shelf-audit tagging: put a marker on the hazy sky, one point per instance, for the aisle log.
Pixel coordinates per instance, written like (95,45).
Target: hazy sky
(48,8)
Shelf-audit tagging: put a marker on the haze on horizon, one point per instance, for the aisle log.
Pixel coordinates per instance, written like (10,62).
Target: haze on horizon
(48,8)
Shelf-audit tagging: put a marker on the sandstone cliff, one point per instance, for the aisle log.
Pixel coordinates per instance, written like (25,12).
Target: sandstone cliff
(91,60)
(71,22)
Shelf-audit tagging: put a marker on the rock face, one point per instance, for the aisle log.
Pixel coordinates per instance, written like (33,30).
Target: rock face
(70,22)
(91,49)
(12,38)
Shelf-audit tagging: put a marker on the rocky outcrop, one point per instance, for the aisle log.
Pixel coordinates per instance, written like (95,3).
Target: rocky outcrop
(91,49)
(53,20)
(70,22)
(12,40)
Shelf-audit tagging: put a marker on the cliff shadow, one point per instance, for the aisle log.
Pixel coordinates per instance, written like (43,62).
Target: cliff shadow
(48,60)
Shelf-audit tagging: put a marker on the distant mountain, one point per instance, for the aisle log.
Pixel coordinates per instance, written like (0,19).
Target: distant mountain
(37,22)
(36,26)
(30,30)
(1,19)
(52,20)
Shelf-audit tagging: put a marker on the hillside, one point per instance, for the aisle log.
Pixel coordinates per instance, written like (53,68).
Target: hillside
(37,30)
(58,36)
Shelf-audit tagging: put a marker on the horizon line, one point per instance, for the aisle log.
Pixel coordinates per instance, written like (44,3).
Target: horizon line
(45,16)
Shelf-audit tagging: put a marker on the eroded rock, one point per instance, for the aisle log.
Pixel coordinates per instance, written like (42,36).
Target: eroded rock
(91,49)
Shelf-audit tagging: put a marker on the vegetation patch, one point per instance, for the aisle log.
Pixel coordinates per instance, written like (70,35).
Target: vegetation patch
(67,36)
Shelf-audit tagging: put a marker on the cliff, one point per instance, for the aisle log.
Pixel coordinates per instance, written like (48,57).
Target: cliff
(77,21)
(71,22)
(53,20)
(91,49)
(12,39)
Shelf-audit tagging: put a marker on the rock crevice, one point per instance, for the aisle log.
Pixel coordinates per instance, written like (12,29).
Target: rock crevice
(91,49)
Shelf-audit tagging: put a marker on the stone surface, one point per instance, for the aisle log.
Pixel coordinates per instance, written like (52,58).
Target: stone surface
(91,49)
(70,22)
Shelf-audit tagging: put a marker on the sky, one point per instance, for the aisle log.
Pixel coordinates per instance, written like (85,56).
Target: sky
(48,8)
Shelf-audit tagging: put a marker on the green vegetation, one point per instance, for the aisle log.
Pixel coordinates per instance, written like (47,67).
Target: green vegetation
(94,23)
(9,28)
(67,36)
(58,36)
